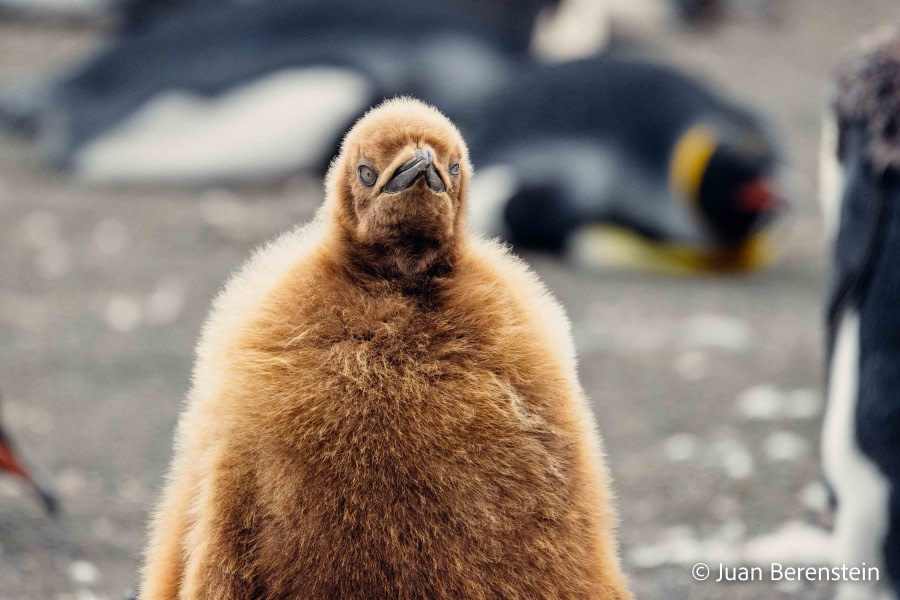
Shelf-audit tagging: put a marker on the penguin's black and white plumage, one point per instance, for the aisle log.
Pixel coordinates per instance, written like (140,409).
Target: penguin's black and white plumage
(237,90)
(861,196)
(686,177)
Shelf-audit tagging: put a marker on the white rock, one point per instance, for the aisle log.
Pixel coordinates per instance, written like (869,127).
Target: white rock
(793,542)
(681,446)
(760,403)
(734,457)
(692,365)
(81,571)
(166,302)
(123,313)
(814,496)
(716,331)
(785,445)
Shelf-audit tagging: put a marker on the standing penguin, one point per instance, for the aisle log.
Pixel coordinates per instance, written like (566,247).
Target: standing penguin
(688,180)
(386,407)
(861,196)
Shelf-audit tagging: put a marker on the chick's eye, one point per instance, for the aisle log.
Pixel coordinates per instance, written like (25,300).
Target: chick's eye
(367,175)
(454,169)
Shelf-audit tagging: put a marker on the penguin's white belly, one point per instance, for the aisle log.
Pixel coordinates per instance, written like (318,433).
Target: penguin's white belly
(268,127)
(862,491)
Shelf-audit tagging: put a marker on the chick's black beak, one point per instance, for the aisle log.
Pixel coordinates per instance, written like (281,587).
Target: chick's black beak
(420,165)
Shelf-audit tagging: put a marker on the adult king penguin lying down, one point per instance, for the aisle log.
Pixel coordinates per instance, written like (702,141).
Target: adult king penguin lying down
(620,160)
(386,407)
(861,196)
(235,90)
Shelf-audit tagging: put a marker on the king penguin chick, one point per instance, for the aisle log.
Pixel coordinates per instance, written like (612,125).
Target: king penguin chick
(861,197)
(386,407)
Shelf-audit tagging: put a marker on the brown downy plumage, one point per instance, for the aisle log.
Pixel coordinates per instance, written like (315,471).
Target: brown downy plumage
(385,407)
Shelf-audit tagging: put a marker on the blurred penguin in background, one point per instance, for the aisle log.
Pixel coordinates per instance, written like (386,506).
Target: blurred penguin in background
(11,464)
(621,161)
(213,92)
(861,198)
(574,29)
(232,91)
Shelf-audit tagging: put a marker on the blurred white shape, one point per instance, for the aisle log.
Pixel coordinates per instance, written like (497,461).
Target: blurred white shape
(166,302)
(10,488)
(793,542)
(271,126)
(814,496)
(761,403)
(766,402)
(54,261)
(84,594)
(789,587)
(681,446)
(804,403)
(41,229)
(831,176)
(716,331)
(738,462)
(70,482)
(227,213)
(111,237)
(493,186)
(41,232)
(680,546)
(785,446)
(131,489)
(692,365)
(81,571)
(571,30)
(732,455)
(123,313)
(25,415)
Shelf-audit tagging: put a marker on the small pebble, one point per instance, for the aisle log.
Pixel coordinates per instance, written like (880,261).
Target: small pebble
(81,571)
(785,446)
(123,314)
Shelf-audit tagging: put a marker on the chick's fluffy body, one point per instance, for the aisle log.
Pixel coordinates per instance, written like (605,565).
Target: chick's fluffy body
(349,435)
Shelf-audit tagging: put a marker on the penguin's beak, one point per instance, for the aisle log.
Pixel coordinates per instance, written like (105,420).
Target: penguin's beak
(10,463)
(759,196)
(420,165)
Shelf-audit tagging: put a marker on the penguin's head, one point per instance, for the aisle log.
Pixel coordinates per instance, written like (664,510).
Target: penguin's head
(727,175)
(860,142)
(398,187)
(860,170)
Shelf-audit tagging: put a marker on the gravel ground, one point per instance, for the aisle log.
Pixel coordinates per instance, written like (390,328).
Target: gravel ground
(707,390)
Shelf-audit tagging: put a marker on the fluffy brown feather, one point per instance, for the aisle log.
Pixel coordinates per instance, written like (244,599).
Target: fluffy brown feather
(384,407)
